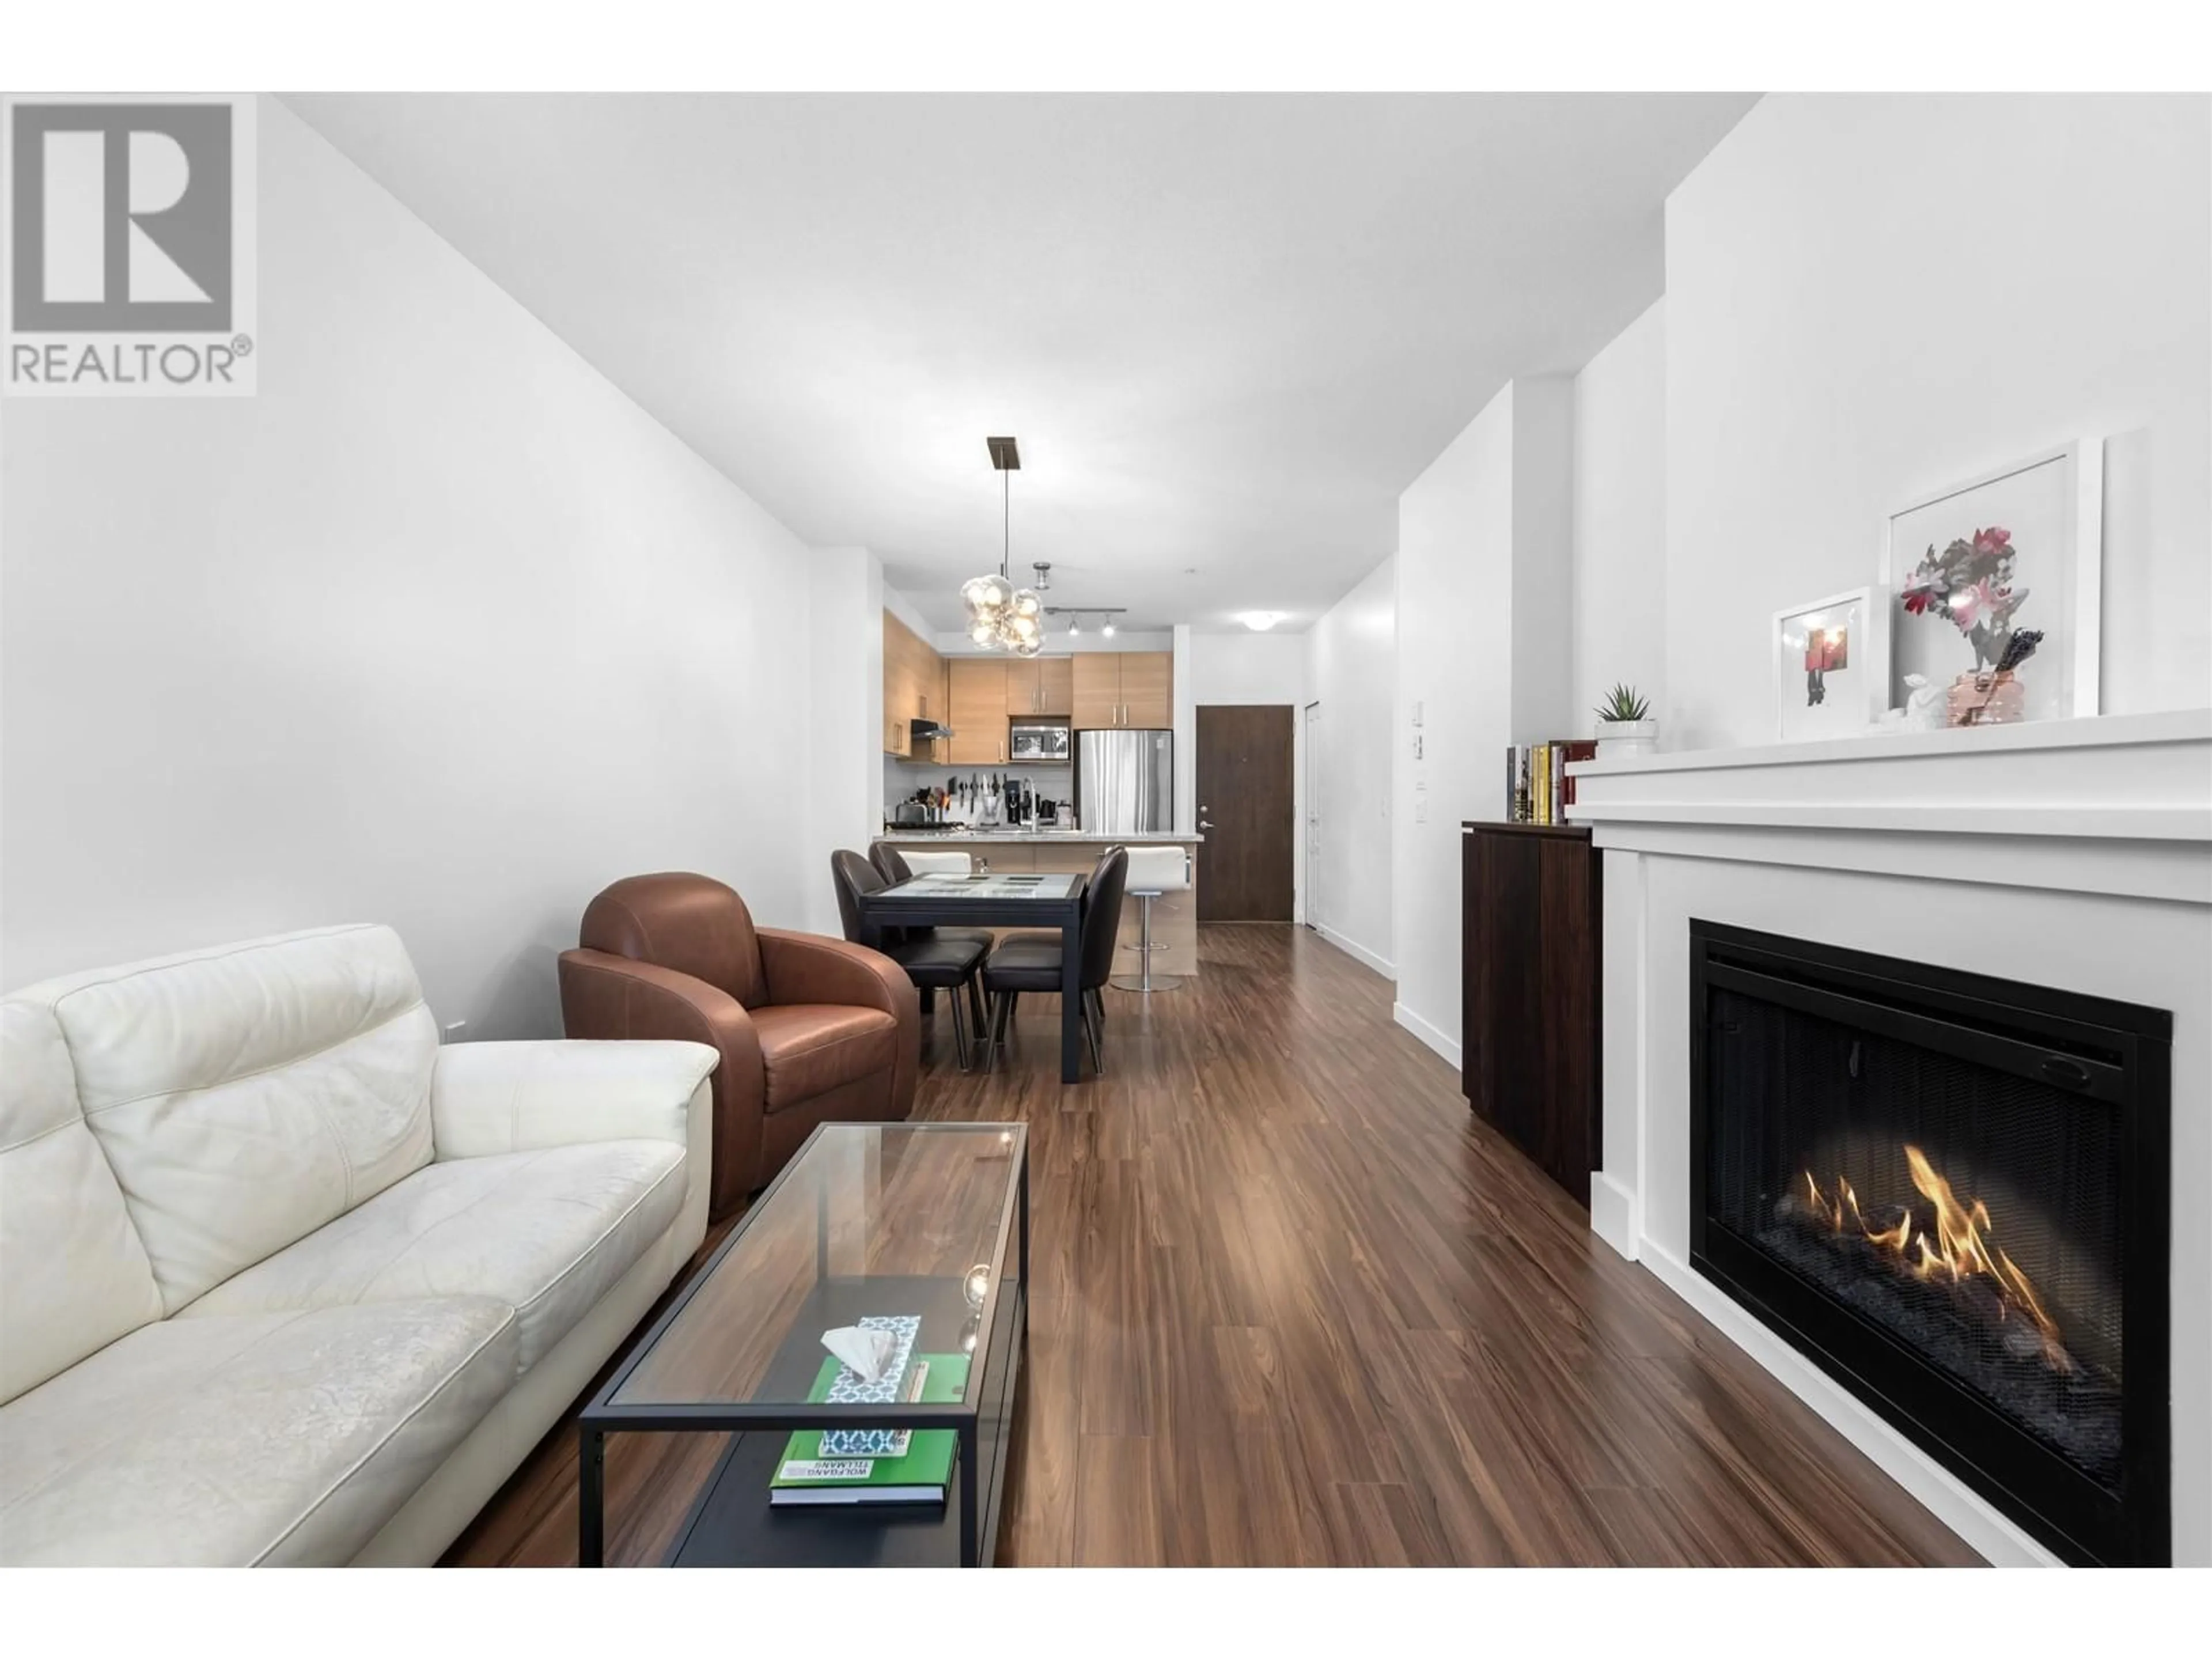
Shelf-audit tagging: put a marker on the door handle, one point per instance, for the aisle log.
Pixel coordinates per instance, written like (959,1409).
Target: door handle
(1203,824)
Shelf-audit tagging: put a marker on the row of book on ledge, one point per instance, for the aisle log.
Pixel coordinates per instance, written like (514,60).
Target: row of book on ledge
(1537,787)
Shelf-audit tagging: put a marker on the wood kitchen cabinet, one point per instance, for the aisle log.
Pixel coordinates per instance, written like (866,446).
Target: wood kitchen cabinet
(1148,689)
(1133,689)
(1040,687)
(1056,686)
(915,688)
(1095,690)
(978,703)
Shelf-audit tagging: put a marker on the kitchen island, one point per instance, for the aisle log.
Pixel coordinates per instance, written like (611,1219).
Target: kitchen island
(1175,915)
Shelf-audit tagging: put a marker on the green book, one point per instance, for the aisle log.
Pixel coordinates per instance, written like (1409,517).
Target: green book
(804,1476)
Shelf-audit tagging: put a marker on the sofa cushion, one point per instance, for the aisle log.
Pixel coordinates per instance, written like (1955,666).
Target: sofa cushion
(283,1439)
(73,1273)
(808,1048)
(247,1094)
(547,1232)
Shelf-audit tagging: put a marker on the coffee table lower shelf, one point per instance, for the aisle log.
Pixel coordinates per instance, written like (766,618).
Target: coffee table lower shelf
(732,1525)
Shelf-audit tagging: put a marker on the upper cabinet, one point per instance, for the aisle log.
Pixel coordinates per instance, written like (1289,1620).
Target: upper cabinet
(979,697)
(1148,689)
(914,688)
(978,703)
(1040,687)
(1056,686)
(1095,686)
(1132,689)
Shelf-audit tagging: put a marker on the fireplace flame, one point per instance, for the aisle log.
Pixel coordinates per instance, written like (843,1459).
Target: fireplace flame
(1956,1250)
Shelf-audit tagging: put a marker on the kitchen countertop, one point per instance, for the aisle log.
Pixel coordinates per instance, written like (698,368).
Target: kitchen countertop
(956,837)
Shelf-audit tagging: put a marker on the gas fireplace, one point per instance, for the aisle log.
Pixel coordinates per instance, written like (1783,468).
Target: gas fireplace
(1950,1192)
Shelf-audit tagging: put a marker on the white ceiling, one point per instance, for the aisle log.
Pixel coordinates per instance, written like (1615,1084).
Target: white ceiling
(1227,330)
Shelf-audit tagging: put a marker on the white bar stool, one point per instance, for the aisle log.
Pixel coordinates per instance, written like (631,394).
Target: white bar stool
(1153,870)
(938,863)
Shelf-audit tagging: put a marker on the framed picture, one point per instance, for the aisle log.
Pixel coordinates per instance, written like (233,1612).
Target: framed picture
(1829,676)
(2003,571)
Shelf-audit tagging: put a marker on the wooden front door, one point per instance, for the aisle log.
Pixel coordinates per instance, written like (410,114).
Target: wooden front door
(1245,812)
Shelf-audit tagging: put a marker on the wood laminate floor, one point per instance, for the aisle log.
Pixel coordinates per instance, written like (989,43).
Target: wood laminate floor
(1292,1305)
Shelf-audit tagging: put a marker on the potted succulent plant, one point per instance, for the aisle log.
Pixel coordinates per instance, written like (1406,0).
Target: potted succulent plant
(1625,725)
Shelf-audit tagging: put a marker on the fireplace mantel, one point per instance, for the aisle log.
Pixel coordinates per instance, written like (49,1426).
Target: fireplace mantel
(2072,854)
(2120,806)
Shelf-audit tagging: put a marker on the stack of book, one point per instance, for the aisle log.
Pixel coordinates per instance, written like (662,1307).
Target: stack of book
(875,1466)
(1537,787)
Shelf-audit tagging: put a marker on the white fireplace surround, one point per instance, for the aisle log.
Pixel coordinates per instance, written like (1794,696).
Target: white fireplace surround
(2073,853)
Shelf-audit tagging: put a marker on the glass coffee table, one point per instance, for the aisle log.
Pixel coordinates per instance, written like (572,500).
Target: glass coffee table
(919,1230)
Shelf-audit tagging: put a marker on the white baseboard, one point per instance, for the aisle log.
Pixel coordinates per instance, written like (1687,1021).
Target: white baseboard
(1427,1033)
(1613,1213)
(1936,1488)
(1357,952)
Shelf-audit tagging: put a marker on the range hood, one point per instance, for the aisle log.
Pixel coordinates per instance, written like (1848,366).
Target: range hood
(927,731)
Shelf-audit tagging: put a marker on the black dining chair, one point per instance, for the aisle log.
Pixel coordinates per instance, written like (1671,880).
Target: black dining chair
(890,863)
(1031,962)
(932,960)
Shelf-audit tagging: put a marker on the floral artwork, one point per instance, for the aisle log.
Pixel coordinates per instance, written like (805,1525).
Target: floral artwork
(1988,573)
(1970,584)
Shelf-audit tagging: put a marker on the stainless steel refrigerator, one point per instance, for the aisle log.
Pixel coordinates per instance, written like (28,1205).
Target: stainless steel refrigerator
(1124,782)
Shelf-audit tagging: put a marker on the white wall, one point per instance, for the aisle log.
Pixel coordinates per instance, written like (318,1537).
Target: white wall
(1349,655)
(1619,583)
(439,630)
(843,802)
(1248,668)
(1542,593)
(1455,658)
(1184,709)
(1484,567)
(1870,296)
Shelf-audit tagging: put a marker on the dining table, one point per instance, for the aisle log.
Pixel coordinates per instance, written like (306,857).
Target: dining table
(1011,899)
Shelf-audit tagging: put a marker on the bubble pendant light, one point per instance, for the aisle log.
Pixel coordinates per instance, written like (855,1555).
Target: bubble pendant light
(998,613)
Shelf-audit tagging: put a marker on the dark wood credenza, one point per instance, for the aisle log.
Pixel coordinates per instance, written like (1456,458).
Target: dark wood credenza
(1528,992)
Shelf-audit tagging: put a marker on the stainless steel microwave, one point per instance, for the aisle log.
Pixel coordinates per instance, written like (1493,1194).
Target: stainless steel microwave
(1040,743)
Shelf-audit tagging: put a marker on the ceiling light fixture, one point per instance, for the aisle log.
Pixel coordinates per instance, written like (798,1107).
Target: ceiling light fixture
(1105,613)
(998,613)
(1261,621)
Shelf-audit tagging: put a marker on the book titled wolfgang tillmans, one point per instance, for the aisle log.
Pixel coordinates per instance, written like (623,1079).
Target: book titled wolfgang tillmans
(918,1475)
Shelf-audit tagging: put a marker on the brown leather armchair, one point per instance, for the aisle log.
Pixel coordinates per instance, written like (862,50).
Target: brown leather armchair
(810,1030)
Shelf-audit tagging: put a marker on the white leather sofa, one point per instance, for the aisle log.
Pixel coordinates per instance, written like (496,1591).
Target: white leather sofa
(281,1280)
